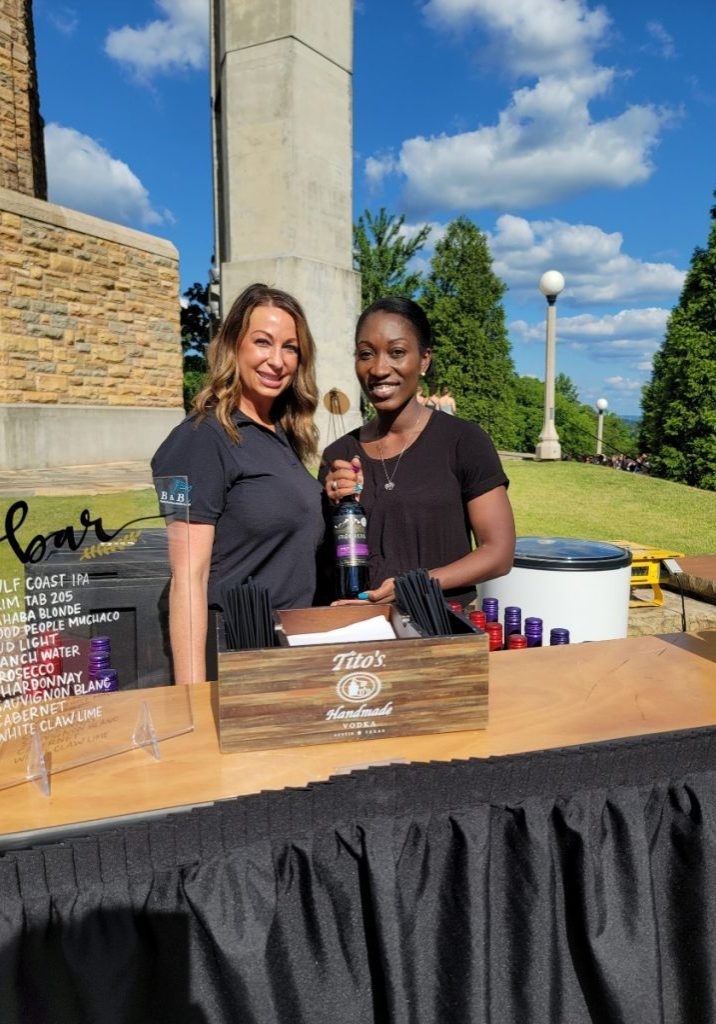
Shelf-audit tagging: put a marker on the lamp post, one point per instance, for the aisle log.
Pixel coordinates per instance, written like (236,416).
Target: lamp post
(550,284)
(602,405)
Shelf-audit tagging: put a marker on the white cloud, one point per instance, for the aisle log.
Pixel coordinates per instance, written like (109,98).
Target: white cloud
(517,164)
(624,384)
(64,19)
(546,145)
(176,42)
(661,39)
(596,269)
(377,168)
(631,335)
(437,232)
(532,36)
(700,94)
(420,263)
(81,174)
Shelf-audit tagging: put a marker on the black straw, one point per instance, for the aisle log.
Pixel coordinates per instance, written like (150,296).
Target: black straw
(248,617)
(421,597)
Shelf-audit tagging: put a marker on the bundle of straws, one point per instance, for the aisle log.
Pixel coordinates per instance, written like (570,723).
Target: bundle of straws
(421,597)
(248,621)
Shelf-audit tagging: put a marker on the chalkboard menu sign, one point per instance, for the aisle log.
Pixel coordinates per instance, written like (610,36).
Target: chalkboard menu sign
(85,660)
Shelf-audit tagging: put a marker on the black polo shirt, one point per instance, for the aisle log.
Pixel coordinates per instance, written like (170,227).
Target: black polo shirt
(264,504)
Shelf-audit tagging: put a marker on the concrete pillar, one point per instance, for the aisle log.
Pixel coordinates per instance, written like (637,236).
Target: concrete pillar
(282,102)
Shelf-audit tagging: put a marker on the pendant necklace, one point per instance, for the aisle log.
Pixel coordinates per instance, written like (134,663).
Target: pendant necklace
(389,479)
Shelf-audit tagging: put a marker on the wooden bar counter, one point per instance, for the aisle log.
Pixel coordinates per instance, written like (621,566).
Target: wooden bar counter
(549,697)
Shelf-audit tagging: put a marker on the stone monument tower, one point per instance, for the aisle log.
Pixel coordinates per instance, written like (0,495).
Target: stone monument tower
(283,154)
(22,151)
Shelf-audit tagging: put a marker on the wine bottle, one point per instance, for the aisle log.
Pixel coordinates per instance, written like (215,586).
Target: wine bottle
(351,547)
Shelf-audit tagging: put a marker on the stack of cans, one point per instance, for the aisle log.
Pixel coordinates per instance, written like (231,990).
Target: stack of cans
(490,607)
(100,669)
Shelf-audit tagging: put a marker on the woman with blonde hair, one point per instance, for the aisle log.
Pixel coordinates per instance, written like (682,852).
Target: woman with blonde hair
(254,510)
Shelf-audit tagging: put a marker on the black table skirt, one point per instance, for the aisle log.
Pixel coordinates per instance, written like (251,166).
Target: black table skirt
(559,887)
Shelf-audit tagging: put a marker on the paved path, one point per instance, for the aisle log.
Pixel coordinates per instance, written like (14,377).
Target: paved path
(112,476)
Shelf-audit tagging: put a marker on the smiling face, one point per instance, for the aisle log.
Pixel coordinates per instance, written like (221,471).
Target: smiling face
(267,359)
(388,360)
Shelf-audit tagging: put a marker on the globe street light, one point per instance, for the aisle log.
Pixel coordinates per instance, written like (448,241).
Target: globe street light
(550,284)
(602,405)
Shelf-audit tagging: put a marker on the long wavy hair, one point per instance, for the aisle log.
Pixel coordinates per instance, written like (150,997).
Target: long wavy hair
(294,408)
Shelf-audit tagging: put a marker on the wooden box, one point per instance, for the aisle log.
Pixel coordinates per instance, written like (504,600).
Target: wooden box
(292,696)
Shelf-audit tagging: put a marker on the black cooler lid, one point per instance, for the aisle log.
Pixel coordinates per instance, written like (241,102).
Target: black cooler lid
(569,554)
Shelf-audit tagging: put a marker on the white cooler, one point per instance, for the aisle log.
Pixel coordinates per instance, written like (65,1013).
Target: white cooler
(581,585)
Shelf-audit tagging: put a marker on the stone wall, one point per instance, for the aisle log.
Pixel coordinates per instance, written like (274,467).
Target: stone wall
(90,353)
(22,154)
(89,310)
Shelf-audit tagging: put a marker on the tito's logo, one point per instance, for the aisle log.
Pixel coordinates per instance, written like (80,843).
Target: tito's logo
(358,687)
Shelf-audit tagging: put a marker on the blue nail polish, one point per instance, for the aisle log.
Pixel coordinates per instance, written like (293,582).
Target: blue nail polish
(363,596)
(358,488)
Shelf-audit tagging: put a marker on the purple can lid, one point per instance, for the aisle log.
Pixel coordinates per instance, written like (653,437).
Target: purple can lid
(109,679)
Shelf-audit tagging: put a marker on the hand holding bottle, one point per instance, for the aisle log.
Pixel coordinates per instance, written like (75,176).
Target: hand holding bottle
(384,593)
(344,478)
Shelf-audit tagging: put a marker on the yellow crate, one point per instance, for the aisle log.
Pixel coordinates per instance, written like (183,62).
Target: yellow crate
(646,570)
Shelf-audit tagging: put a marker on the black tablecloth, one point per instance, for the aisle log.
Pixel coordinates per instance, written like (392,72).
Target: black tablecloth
(571,886)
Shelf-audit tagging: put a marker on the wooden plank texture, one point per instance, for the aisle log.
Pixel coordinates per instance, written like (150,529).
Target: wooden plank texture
(292,696)
(546,697)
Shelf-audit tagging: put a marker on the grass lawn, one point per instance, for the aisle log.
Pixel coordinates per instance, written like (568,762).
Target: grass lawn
(47,514)
(573,499)
(562,499)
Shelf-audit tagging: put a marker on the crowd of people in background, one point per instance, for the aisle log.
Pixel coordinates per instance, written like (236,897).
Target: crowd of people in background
(440,398)
(641,464)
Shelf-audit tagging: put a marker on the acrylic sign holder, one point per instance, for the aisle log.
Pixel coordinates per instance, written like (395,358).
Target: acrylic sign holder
(80,575)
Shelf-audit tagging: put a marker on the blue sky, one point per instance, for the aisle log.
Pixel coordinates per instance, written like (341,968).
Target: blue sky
(578,137)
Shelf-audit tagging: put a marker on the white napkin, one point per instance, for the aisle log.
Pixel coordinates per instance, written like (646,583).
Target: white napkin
(375,628)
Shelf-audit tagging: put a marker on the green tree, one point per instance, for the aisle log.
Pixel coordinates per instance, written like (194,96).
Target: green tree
(381,253)
(576,422)
(565,386)
(196,321)
(196,325)
(620,436)
(529,394)
(576,425)
(471,354)
(679,402)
